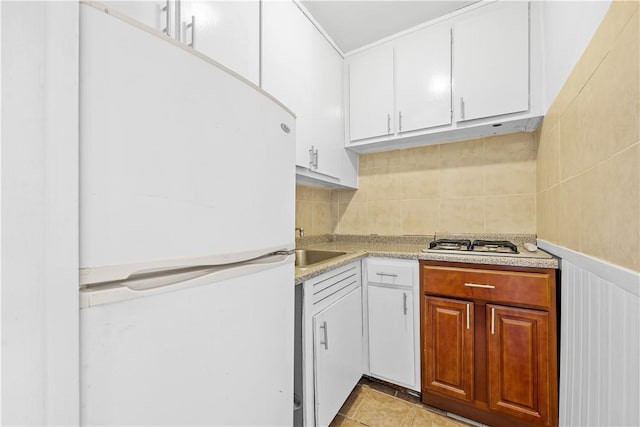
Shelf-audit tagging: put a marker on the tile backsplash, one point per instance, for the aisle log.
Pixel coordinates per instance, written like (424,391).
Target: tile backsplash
(481,185)
(589,148)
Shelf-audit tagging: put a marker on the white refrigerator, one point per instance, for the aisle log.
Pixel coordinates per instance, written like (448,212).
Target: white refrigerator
(187,227)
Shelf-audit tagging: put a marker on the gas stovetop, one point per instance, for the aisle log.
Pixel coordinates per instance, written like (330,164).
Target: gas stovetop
(477,247)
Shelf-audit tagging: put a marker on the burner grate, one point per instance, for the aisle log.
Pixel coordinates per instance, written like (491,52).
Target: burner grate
(451,245)
(502,246)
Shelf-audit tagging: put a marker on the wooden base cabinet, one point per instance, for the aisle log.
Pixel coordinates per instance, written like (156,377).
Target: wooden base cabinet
(448,332)
(518,362)
(490,353)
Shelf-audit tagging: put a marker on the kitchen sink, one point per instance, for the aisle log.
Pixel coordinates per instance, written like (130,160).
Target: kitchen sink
(309,257)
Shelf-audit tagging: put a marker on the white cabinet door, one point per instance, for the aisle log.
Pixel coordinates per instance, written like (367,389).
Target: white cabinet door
(391,335)
(423,75)
(226,31)
(328,124)
(156,14)
(286,65)
(371,94)
(338,351)
(491,61)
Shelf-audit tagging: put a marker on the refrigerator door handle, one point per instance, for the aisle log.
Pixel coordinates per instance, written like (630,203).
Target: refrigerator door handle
(146,284)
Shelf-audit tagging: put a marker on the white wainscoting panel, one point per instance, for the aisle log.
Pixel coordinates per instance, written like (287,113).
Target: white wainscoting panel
(599,342)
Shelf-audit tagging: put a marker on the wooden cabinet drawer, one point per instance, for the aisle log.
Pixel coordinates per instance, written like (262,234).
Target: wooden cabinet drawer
(514,287)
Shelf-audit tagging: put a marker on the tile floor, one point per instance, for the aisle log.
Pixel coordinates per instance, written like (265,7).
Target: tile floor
(373,404)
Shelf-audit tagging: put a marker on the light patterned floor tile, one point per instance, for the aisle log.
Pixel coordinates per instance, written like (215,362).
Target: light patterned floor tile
(379,409)
(354,401)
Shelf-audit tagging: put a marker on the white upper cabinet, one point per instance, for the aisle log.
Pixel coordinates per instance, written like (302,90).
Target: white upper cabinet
(287,65)
(226,31)
(491,61)
(423,79)
(474,73)
(420,85)
(371,110)
(303,71)
(328,120)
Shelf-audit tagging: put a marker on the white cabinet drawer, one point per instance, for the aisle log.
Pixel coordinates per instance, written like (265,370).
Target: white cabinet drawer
(389,272)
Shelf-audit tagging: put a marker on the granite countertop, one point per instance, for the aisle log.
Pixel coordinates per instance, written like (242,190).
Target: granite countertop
(410,247)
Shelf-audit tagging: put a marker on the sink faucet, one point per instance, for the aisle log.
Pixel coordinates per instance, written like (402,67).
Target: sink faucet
(301,230)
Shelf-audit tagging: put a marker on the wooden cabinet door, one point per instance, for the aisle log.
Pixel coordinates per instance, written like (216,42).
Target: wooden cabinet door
(423,75)
(449,347)
(371,94)
(337,340)
(491,61)
(225,31)
(391,339)
(518,362)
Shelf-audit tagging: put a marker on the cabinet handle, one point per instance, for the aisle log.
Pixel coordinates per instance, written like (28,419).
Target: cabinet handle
(468,321)
(326,336)
(404,304)
(311,158)
(388,123)
(165,10)
(387,274)
(475,285)
(191,26)
(315,159)
(462,108)
(493,320)
(399,121)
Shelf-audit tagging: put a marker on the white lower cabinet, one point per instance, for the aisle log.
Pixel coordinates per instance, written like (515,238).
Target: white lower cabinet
(391,334)
(338,353)
(332,360)
(392,321)
(349,330)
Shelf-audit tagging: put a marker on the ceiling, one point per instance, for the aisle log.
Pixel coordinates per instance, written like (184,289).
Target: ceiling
(356,23)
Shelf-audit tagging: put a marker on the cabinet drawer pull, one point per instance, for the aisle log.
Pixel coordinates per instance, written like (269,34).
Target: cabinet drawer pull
(400,121)
(476,285)
(388,123)
(404,303)
(387,274)
(326,336)
(462,108)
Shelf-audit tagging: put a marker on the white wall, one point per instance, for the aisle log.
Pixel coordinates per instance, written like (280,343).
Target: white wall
(568,26)
(599,341)
(39,216)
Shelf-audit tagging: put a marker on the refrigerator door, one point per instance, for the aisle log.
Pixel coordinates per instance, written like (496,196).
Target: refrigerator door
(214,350)
(180,160)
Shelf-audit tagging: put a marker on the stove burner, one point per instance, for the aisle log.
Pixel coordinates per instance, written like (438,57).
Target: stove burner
(486,247)
(502,246)
(451,245)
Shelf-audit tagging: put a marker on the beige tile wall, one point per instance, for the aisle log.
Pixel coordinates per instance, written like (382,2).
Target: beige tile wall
(313,210)
(589,148)
(481,185)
